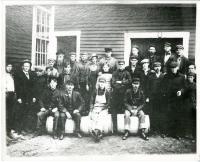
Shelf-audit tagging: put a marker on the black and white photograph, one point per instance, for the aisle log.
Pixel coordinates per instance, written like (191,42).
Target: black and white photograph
(99,78)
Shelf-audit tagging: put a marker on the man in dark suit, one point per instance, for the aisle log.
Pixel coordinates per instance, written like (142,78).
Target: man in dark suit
(165,59)
(26,96)
(48,104)
(172,90)
(73,104)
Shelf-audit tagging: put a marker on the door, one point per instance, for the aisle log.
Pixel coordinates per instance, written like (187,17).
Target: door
(67,44)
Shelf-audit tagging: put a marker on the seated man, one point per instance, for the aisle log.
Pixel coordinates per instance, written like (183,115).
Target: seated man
(99,104)
(134,102)
(48,107)
(74,104)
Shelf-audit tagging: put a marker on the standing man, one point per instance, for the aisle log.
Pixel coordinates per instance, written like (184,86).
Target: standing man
(172,89)
(165,59)
(111,61)
(134,102)
(26,97)
(48,104)
(121,80)
(83,82)
(74,104)
(154,97)
(152,56)
(182,61)
(10,99)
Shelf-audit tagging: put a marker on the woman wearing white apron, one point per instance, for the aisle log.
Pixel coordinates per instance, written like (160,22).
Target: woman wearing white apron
(99,105)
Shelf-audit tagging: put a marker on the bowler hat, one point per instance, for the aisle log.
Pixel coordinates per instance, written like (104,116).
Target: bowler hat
(108,49)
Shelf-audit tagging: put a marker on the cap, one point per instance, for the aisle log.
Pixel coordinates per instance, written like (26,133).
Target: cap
(135,46)
(145,61)
(72,53)
(173,64)
(51,59)
(102,79)
(121,62)
(135,80)
(167,44)
(94,55)
(179,46)
(134,57)
(60,52)
(191,74)
(157,64)
(26,61)
(108,49)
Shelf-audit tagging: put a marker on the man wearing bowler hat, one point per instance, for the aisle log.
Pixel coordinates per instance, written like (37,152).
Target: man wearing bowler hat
(121,80)
(111,61)
(172,91)
(26,97)
(134,102)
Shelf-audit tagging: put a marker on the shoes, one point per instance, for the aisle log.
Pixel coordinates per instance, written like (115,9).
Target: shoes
(125,135)
(144,136)
(55,136)
(79,135)
(61,137)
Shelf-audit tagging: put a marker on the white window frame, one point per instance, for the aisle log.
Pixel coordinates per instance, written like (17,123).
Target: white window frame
(68,33)
(35,36)
(131,35)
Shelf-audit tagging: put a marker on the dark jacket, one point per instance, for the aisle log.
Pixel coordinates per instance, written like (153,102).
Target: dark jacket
(49,98)
(75,102)
(121,75)
(25,87)
(131,99)
(100,92)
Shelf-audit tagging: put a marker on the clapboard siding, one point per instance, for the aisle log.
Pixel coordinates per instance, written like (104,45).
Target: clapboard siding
(104,25)
(18,33)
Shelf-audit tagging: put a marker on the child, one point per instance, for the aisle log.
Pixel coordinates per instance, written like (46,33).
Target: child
(99,105)
(107,75)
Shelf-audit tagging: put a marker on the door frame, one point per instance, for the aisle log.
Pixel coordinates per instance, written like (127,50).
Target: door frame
(129,35)
(67,33)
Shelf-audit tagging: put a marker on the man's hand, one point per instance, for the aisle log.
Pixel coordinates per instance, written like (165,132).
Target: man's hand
(43,109)
(178,93)
(54,110)
(87,87)
(19,100)
(75,111)
(68,115)
(34,99)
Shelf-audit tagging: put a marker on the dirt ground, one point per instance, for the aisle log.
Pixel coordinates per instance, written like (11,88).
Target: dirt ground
(110,145)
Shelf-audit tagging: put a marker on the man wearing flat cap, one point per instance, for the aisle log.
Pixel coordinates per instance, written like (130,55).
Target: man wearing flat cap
(152,56)
(26,96)
(182,61)
(83,79)
(165,59)
(134,102)
(121,80)
(155,100)
(172,92)
(111,61)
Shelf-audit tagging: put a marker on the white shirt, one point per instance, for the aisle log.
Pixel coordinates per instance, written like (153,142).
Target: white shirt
(10,87)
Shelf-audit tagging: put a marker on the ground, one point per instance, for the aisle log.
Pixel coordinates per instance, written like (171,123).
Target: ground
(110,145)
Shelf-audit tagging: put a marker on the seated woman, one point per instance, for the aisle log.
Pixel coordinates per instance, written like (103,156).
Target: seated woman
(99,105)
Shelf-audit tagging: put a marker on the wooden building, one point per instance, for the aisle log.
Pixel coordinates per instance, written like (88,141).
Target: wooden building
(36,32)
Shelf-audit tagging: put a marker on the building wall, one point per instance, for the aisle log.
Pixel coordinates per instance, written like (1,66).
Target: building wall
(18,33)
(104,25)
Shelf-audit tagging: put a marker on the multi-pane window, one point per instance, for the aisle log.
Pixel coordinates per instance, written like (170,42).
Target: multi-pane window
(41,33)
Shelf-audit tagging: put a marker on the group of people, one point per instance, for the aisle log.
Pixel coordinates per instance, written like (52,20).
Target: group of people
(161,85)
